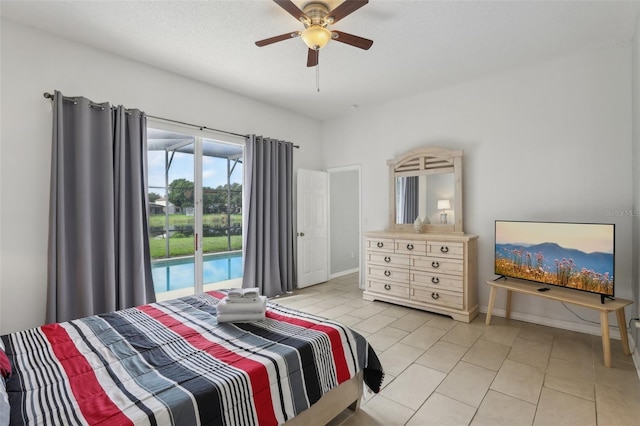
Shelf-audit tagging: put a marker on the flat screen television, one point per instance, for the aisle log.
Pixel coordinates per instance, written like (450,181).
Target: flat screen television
(572,255)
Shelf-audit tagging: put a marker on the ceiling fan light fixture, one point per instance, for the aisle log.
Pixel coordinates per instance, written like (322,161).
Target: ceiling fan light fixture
(316,37)
(316,16)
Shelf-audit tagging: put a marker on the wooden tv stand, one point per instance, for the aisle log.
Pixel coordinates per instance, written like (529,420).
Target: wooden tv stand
(580,298)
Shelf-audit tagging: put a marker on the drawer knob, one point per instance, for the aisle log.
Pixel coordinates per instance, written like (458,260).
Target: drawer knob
(387,273)
(409,246)
(444,249)
(380,245)
(387,287)
(435,280)
(435,264)
(435,296)
(387,259)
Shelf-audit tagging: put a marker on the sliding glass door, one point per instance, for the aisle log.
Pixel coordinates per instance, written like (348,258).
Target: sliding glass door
(222,214)
(195,197)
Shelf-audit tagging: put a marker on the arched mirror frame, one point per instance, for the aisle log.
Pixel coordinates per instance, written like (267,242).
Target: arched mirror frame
(427,161)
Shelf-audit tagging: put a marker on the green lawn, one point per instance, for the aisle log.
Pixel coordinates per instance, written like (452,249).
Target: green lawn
(184,246)
(213,220)
(213,223)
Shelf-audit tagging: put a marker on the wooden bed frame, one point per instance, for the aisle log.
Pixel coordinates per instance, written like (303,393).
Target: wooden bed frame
(332,403)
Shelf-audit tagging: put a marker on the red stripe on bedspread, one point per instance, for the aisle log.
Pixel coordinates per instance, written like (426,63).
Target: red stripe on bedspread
(257,372)
(217,294)
(92,400)
(342,369)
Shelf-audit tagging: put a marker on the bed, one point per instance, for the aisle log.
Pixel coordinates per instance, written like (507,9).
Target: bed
(171,363)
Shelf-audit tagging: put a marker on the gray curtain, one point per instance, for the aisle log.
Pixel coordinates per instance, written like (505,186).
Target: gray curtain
(411,208)
(269,261)
(99,259)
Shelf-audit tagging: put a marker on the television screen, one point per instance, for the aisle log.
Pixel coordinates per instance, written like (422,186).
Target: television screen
(572,255)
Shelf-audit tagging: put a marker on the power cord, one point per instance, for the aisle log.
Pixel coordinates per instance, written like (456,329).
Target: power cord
(583,319)
(595,322)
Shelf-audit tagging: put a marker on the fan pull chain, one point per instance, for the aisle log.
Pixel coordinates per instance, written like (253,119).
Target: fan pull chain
(318,77)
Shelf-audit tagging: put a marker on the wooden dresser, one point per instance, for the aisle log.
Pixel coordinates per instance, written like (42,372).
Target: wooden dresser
(428,271)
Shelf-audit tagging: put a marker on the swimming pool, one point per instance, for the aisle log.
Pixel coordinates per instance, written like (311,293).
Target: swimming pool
(175,274)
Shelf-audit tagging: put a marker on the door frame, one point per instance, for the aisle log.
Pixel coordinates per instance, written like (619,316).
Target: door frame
(341,169)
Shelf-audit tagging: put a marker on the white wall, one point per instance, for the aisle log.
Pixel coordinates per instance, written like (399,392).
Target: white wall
(344,220)
(33,62)
(545,142)
(636,177)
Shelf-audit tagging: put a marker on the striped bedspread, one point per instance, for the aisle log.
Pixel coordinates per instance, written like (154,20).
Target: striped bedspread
(171,363)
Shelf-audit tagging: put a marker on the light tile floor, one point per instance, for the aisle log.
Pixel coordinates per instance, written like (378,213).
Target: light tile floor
(443,372)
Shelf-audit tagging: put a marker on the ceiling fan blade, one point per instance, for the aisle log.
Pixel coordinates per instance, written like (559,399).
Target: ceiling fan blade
(313,57)
(346,8)
(277,38)
(290,7)
(353,40)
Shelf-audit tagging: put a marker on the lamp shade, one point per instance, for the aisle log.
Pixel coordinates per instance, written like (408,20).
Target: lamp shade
(444,204)
(316,37)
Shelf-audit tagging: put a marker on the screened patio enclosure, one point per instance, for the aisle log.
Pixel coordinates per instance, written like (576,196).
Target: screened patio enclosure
(195,194)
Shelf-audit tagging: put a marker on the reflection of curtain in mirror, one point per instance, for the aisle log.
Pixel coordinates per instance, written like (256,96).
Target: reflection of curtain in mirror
(410,205)
(400,184)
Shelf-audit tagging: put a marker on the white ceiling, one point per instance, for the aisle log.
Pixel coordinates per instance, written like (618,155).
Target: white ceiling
(418,45)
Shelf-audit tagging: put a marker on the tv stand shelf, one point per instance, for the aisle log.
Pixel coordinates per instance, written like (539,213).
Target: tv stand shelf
(567,295)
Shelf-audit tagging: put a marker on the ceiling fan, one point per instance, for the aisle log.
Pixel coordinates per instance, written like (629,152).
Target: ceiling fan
(316,17)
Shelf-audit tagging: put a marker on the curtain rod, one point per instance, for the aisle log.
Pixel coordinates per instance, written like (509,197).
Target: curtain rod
(48,95)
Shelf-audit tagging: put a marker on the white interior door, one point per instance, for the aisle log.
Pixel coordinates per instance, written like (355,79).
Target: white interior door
(313,229)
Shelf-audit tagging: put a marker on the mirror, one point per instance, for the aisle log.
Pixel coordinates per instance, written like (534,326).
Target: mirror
(418,196)
(426,183)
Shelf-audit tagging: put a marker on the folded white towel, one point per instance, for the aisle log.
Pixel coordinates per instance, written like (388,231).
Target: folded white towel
(241,317)
(236,293)
(251,292)
(225,306)
(240,300)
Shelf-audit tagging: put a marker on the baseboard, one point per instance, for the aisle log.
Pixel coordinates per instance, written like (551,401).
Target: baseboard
(593,329)
(634,354)
(343,273)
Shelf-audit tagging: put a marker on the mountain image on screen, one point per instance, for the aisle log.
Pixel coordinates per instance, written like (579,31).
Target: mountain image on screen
(549,263)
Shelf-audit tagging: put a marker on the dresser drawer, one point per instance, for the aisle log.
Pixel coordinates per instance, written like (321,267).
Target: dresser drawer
(388,259)
(437,297)
(384,245)
(437,265)
(418,248)
(432,271)
(420,279)
(390,288)
(445,249)
(388,274)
